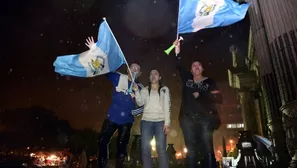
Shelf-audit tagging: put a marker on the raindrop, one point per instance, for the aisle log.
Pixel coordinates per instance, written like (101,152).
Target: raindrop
(230,35)
(196,46)
(155,1)
(83,6)
(122,113)
(209,63)
(74,10)
(202,41)
(10,70)
(41,34)
(61,41)
(173,74)
(67,42)
(58,89)
(82,22)
(94,24)
(92,83)
(71,90)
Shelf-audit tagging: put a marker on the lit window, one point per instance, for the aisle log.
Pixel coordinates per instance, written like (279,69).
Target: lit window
(230,126)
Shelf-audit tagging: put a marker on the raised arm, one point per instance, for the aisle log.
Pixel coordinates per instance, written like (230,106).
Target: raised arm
(183,72)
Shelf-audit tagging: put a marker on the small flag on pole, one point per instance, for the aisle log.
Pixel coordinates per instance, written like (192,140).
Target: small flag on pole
(104,57)
(195,15)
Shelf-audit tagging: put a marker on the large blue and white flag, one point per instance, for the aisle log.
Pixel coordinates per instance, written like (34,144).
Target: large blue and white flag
(195,15)
(104,57)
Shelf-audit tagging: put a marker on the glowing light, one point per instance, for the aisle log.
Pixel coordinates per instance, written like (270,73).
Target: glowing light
(185,150)
(178,154)
(153,148)
(32,154)
(28,148)
(219,151)
(231,141)
(153,142)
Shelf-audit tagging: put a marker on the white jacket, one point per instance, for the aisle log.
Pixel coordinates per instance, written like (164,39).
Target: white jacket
(143,98)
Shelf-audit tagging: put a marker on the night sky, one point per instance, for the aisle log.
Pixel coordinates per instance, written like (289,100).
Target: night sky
(35,32)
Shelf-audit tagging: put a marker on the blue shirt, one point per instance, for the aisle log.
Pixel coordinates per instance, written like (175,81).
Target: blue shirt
(122,104)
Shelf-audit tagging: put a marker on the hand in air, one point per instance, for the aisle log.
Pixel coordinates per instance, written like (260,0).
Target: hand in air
(176,43)
(196,95)
(177,46)
(90,42)
(135,87)
(166,129)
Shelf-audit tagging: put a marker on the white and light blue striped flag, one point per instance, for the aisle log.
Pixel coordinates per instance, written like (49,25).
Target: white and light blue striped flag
(104,57)
(195,15)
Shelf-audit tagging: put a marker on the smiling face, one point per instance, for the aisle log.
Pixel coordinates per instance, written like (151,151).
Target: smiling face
(135,68)
(196,68)
(154,76)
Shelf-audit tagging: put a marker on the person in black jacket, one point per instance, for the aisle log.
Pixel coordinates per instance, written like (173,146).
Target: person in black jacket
(198,114)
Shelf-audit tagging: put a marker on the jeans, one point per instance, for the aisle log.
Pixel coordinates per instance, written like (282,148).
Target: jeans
(198,138)
(107,131)
(148,130)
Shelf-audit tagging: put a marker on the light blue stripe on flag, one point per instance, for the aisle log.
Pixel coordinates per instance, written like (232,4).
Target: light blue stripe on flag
(105,57)
(195,15)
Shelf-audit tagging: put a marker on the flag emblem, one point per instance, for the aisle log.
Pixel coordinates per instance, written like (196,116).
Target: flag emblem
(97,65)
(205,10)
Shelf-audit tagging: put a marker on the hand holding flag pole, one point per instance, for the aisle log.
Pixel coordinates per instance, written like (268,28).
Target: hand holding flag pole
(173,46)
(132,83)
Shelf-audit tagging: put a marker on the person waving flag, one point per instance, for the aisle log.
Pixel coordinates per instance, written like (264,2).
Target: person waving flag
(103,57)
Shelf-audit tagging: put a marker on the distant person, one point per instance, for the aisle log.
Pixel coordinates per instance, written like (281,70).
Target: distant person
(155,119)
(198,114)
(120,114)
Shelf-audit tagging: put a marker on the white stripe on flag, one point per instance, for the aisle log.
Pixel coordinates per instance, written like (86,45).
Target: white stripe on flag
(205,12)
(95,62)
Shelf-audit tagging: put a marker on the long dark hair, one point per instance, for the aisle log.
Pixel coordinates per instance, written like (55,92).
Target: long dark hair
(160,82)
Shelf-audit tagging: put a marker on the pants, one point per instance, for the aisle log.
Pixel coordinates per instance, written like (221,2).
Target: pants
(198,139)
(107,131)
(148,130)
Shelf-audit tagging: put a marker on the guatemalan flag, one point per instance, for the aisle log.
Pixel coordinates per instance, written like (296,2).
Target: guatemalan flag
(104,57)
(195,15)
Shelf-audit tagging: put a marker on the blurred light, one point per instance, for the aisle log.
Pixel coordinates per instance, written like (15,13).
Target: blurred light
(28,147)
(231,141)
(153,148)
(178,154)
(219,151)
(153,142)
(32,154)
(185,150)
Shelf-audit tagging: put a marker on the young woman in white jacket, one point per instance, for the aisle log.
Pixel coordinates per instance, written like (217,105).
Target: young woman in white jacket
(155,119)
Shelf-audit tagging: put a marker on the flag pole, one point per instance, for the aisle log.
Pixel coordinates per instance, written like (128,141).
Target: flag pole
(177,23)
(120,49)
